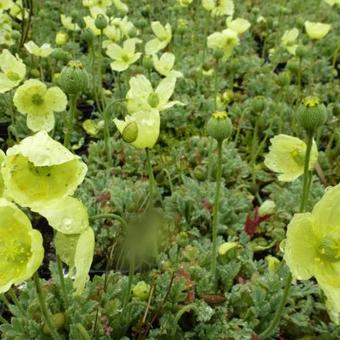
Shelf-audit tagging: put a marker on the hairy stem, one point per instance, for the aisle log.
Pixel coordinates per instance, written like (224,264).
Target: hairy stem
(216,211)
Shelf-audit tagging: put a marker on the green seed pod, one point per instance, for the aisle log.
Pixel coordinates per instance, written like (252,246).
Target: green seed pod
(130,133)
(219,126)
(311,114)
(73,78)
(153,100)
(58,321)
(100,22)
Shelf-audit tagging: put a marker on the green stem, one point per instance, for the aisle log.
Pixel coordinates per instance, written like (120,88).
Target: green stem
(44,309)
(107,141)
(299,78)
(306,175)
(216,211)
(131,275)
(277,317)
(113,216)
(335,55)
(151,177)
(62,282)
(216,83)
(16,302)
(70,122)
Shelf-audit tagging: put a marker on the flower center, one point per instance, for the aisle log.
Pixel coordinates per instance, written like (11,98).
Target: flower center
(40,170)
(15,251)
(12,76)
(298,156)
(125,58)
(37,99)
(153,100)
(329,249)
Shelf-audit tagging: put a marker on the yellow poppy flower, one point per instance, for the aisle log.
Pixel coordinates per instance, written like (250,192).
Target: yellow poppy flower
(141,95)
(288,40)
(12,73)
(219,7)
(163,37)
(43,51)
(164,65)
(97,7)
(287,156)
(226,41)
(39,103)
(317,30)
(312,247)
(68,24)
(238,25)
(21,249)
(39,171)
(123,56)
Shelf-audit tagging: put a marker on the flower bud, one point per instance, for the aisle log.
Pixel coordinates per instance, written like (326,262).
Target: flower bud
(61,38)
(130,133)
(141,290)
(267,208)
(218,53)
(73,78)
(311,114)
(219,126)
(100,22)
(147,62)
(301,51)
(273,263)
(284,79)
(61,55)
(182,25)
(226,246)
(87,35)
(258,104)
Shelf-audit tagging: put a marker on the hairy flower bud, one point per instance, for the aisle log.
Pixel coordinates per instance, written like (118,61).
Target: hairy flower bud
(219,126)
(73,78)
(311,114)
(100,22)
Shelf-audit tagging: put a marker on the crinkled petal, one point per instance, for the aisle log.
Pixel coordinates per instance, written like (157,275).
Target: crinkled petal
(165,89)
(332,303)
(301,246)
(83,259)
(68,216)
(327,212)
(41,122)
(56,99)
